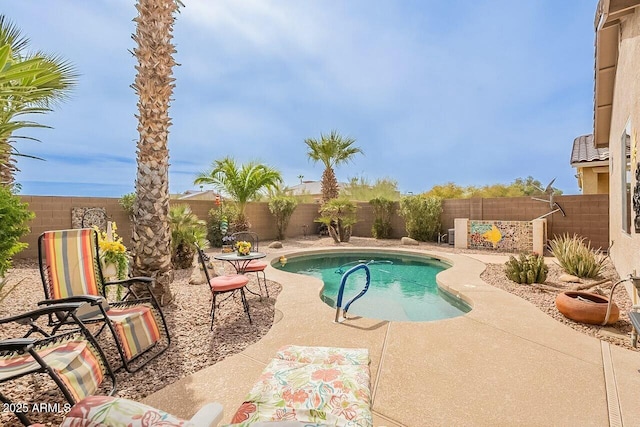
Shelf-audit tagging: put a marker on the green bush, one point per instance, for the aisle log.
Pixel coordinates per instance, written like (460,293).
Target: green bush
(338,215)
(282,208)
(126,202)
(14,216)
(383,210)
(227,212)
(422,216)
(576,257)
(527,269)
(186,231)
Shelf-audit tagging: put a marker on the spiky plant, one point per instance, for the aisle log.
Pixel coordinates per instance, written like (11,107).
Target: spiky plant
(186,231)
(30,83)
(526,269)
(332,150)
(577,257)
(154,85)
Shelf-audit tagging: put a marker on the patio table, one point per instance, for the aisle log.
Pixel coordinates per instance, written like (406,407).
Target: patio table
(240,262)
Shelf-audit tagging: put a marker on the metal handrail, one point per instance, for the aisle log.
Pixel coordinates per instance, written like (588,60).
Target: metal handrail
(339,311)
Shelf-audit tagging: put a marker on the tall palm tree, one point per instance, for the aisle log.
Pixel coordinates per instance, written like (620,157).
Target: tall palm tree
(154,85)
(332,150)
(242,183)
(30,83)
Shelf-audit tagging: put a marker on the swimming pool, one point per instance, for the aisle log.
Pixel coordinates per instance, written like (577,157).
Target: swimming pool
(403,287)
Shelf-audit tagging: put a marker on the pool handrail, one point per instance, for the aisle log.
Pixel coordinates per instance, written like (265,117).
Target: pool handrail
(343,282)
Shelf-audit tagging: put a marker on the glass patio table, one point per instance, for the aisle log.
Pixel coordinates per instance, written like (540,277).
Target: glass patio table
(239,262)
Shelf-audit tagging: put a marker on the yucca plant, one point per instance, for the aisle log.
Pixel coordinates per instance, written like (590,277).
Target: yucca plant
(577,258)
(526,269)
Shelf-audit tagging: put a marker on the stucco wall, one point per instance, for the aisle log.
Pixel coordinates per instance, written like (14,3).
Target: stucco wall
(625,252)
(594,182)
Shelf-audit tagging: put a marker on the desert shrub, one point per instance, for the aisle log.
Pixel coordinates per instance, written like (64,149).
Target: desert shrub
(338,215)
(227,213)
(126,202)
(422,216)
(14,216)
(282,208)
(526,269)
(383,210)
(186,231)
(577,258)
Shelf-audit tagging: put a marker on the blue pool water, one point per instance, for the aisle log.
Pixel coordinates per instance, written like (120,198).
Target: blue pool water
(403,287)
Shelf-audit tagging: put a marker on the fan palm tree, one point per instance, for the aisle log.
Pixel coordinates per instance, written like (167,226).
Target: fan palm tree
(332,150)
(242,183)
(29,84)
(154,85)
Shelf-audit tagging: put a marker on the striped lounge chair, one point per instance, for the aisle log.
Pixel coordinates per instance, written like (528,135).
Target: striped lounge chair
(310,386)
(72,359)
(71,271)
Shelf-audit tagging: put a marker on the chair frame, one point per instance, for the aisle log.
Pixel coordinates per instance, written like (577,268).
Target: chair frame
(204,258)
(67,311)
(131,298)
(252,238)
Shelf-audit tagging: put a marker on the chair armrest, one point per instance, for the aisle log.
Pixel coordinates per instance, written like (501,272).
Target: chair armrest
(209,415)
(93,299)
(15,344)
(35,314)
(128,282)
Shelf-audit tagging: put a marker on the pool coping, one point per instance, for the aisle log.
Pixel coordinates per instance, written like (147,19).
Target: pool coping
(499,364)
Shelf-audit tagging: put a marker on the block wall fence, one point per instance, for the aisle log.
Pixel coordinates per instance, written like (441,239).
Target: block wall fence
(587,215)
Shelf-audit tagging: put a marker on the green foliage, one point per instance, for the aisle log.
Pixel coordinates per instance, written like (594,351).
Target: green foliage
(14,217)
(576,257)
(186,231)
(30,84)
(127,201)
(520,187)
(422,216)
(332,150)
(226,212)
(282,208)
(527,269)
(242,183)
(383,210)
(338,215)
(360,189)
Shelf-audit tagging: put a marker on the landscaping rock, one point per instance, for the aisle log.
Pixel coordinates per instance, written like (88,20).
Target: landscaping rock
(409,241)
(276,245)
(568,278)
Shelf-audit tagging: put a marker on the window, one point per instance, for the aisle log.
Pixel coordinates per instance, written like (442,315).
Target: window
(625,169)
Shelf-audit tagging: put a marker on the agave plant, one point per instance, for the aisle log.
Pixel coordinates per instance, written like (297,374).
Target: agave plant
(577,257)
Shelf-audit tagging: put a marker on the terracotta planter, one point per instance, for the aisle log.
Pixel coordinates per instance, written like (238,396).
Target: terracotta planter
(586,307)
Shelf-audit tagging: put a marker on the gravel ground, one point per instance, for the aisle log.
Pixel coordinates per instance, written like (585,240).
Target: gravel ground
(194,347)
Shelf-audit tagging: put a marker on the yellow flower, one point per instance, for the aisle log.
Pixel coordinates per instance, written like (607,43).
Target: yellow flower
(244,248)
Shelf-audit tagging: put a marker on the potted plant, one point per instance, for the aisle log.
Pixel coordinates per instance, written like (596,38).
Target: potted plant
(243,248)
(113,253)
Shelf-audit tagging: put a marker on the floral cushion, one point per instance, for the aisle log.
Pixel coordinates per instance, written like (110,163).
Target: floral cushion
(324,385)
(108,411)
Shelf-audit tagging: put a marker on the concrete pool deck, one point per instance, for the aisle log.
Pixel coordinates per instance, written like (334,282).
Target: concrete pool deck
(504,363)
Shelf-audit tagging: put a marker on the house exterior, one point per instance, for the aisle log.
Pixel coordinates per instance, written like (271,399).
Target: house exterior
(592,165)
(617,123)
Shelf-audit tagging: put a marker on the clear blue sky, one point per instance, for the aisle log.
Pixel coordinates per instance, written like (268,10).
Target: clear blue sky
(473,92)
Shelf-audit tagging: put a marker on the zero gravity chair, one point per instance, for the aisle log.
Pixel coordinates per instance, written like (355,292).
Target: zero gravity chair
(71,357)
(71,272)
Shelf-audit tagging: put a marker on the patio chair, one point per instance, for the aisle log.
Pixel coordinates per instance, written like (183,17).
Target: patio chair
(323,385)
(72,358)
(71,272)
(255,265)
(226,284)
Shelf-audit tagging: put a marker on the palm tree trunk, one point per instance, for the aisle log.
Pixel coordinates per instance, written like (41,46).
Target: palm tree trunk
(154,86)
(7,164)
(329,185)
